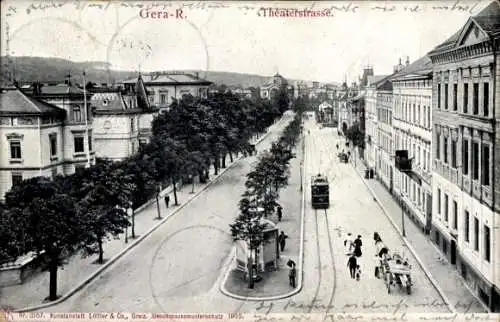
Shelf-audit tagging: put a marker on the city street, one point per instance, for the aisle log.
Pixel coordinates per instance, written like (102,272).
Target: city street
(179,267)
(176,267)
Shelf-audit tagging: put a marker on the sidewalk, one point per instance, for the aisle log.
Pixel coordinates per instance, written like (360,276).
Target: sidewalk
(276,283)
(33,291)
(442,271)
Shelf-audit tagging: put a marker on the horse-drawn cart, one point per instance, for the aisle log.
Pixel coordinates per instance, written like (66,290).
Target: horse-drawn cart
(396,271)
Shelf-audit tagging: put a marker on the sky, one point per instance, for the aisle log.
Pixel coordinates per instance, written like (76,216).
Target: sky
(235,36)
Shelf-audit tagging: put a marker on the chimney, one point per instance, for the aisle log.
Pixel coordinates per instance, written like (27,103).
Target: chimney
(407,60)
(400,61)
(197,74)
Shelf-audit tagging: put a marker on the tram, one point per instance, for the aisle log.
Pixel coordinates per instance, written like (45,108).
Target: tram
(320,197)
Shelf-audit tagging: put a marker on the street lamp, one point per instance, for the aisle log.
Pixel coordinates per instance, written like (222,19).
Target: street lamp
(403,216)
(132,212)
(158,190)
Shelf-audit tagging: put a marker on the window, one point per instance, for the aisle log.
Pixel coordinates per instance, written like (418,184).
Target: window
(445,96)
(465,156)
(485,165)
(486,98)
(466,226)
(15,150)
(53,145)
(455,215)
(163,99)
(445,207)
(439,96)
(132,125)
(77,114)
(475,99)
(429,117)
(476,234)
(17,178)
(419,113)
(445,149)
(475,160)
(438,146)
(487,248)
(439,200)
(90,142)
(414,113)
(78,142)
(466,98)
(454,154)
(455,93)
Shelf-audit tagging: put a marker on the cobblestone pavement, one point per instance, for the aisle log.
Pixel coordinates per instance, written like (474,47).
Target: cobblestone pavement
(443,272)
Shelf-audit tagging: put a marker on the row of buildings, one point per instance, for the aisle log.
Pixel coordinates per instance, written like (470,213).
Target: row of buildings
(51,129)
(432,134)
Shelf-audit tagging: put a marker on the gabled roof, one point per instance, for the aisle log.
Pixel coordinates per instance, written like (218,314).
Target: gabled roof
(488,20)
(169,78)
(15,102)
(420,67)
(108,101)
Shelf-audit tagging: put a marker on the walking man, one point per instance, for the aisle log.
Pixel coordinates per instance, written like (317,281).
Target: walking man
(292,274)
(352,263)
(167,200)
(357,246)
(280,213)
(282,240)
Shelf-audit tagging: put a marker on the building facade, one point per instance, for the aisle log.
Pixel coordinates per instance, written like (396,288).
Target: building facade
(79,148)
(267,91)
(371,127)
(412,131)
(36,139)
(163,88)
(466,152)
(384,167)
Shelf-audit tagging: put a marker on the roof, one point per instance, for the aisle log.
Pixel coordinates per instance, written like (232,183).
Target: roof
(420,67)
(487,19)
(61,89)
(169,78)
(373,80)
(108,101)
(18,103)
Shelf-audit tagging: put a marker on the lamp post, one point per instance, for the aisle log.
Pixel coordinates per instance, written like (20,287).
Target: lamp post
(403,217)
(158,202)
(132,214)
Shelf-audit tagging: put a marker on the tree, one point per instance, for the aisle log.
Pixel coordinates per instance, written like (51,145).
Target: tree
(356,135)
(249,228)
(108,194)
(47,216)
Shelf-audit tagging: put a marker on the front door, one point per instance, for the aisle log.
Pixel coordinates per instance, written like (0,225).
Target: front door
(453,252)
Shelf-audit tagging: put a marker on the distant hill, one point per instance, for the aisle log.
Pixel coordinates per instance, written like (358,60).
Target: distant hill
(50,69)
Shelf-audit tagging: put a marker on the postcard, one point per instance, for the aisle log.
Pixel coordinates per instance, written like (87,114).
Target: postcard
(250,160)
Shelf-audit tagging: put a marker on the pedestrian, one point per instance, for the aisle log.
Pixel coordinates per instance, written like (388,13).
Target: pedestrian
(358,273)
(348,243)
(291,275)
(357,246)
(280,213)
(352,262)
(282,240)
(337,146)
(167,200)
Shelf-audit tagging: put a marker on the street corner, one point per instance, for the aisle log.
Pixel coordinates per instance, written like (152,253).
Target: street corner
(269,285)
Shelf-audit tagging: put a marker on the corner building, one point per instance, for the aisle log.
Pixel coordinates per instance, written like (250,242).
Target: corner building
(466,152)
